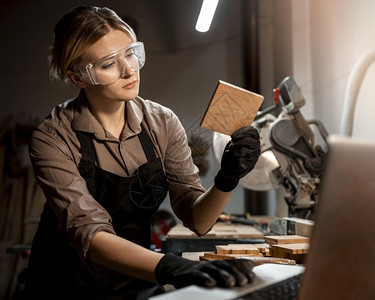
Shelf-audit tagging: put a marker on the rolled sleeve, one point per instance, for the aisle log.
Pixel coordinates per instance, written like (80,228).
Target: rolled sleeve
(85,220)
(55,167)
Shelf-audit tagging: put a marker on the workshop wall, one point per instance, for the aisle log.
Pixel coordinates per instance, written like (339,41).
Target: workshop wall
(328,39)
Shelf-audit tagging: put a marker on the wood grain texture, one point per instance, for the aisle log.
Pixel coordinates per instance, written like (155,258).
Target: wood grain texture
(219,230)
(230,108)
(285,239)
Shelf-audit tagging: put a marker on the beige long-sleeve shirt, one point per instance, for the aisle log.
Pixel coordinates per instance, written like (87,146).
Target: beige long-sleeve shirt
(55,155)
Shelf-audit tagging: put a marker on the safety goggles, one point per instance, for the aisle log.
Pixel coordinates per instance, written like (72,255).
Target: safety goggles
(112,67)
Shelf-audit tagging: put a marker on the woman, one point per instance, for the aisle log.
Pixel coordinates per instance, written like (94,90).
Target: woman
(105,161)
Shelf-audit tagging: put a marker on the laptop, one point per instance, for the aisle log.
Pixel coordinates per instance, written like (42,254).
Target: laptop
(341,259)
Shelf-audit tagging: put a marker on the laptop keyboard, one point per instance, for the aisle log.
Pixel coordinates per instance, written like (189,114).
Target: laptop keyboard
(282,290)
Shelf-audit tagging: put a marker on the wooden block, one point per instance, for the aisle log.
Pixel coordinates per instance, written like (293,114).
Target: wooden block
(285,239)
(257,260)
(295,252)
(298,258)
(206,258)
(262,247)
(192,255)
(213,255)
(216,256)
(219,230)
(302,248)
(277,251)
(223,249)
(273,260)
(243,249)
(230,108)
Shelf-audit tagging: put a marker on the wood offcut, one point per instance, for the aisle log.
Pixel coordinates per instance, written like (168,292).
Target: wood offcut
(231,108)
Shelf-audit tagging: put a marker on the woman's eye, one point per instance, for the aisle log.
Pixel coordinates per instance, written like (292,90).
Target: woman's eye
(107,65)
(129,55)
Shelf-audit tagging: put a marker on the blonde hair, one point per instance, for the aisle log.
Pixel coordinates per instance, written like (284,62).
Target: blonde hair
(77,31)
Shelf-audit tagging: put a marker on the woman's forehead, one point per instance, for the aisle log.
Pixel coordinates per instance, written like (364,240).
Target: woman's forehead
(112,41)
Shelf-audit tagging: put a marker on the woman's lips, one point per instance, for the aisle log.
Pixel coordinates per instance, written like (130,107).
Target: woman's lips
(131,85)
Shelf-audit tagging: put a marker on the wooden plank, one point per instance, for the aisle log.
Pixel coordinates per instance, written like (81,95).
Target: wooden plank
(192,255)
(257,260)
(285,239)
(219,230)
(223,249)
(237,249)
(228,256)
(216,256)
(230,108)
(297,252)
(262,247)
(273,260)
(302,248)
(243,249)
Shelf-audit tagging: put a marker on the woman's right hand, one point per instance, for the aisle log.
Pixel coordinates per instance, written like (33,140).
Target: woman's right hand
(182,272)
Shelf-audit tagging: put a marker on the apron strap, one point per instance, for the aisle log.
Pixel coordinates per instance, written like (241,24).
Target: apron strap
(87,147)
(146,143)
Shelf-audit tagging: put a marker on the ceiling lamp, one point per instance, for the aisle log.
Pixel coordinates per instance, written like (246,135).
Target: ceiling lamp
(206,15)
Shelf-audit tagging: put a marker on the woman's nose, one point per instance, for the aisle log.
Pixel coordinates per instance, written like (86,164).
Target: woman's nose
(127,71)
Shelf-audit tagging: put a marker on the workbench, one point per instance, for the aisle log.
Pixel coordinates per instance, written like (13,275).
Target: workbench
(180,239)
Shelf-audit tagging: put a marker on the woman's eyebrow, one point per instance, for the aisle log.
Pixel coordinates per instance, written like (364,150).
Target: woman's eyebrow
(109,56)
(116,52)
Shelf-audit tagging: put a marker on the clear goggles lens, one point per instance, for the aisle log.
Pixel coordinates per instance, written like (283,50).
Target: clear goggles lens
(112,67)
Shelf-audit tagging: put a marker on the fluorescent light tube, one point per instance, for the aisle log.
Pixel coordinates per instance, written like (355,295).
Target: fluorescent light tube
(206,15)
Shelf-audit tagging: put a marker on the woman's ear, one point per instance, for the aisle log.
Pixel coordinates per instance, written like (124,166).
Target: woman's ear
(73,77)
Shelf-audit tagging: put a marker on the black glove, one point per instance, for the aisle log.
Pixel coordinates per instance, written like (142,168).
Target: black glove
(239,158)
(182,272)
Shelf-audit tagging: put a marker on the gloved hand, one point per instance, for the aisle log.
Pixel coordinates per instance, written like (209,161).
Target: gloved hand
(182,272)
(239,158)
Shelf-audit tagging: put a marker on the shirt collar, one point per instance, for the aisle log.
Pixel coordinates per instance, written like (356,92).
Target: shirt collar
(134,116)
(84,121)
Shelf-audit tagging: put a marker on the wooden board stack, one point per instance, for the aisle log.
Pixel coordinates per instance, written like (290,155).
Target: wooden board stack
(289,249)
(289,246)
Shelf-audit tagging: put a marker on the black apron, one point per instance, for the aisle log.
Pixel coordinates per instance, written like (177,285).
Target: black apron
(54,265)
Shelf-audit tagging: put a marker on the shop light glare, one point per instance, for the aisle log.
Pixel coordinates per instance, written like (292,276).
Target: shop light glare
(206,15)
